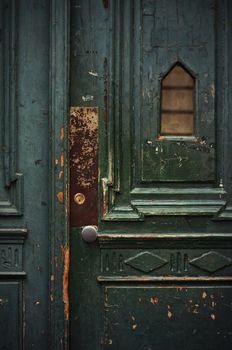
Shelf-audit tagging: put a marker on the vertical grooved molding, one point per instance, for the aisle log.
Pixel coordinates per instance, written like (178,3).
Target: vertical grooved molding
(59,248)
(12,203)
(116,185)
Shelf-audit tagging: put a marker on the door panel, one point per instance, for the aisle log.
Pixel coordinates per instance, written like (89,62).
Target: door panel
(159,272)
(167,317)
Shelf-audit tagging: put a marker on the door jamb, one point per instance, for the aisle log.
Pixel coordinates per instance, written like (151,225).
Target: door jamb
(59,173)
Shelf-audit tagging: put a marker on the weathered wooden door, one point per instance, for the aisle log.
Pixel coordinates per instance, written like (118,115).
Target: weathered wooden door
(150,167)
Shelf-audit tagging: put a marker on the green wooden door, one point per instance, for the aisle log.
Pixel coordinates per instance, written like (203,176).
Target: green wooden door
(150,167)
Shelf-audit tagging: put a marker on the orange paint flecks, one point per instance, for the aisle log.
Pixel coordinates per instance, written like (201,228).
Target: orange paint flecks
(60,174)
(62,133)
(66,254)
(62,160)
(56,162)
(60,197)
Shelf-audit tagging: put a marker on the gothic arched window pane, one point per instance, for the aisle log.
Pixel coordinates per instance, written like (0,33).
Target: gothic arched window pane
(177,103)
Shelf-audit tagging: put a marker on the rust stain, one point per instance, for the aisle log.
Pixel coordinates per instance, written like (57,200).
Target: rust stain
(60,197)
(84,164)
(61,133)
(66,257)
(84,125)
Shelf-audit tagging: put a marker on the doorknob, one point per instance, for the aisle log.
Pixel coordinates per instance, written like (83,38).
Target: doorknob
(89,234)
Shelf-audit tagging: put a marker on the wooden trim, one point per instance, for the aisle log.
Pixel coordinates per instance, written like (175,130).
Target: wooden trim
(59,105)
(173,279)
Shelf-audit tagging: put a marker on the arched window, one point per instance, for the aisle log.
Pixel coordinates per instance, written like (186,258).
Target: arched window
(177,102)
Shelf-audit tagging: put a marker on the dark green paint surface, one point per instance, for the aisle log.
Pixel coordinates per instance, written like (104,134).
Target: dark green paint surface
(167,317)
(178,161)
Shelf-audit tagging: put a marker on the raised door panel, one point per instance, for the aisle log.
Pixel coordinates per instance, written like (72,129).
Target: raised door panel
(151,173)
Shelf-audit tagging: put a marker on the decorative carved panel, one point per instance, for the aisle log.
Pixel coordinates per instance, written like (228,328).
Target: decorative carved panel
(11,251)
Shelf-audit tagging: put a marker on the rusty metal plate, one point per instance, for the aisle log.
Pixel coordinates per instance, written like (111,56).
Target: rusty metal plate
(83,166)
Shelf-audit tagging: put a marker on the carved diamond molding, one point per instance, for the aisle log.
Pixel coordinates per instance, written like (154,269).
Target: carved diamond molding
(146,262)
(211,261)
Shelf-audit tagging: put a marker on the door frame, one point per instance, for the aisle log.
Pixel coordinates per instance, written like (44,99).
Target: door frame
(59,173)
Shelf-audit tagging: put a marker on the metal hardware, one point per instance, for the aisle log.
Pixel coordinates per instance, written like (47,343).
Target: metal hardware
(79,198)
(89,234)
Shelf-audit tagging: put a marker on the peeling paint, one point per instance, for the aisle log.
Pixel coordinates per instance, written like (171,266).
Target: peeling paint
(104,197)
(95,74)
(87,98)
(154,300)
(62,160)
(169,313)
(212,90)
(66,256)
(204,295)
(60,197)
(61,133)
(134,326)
